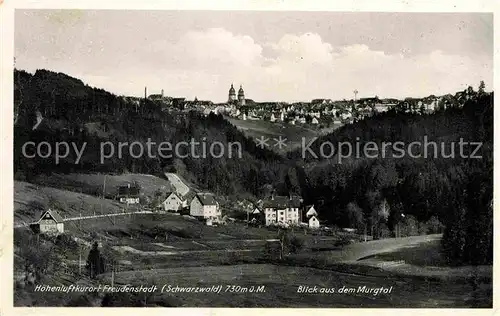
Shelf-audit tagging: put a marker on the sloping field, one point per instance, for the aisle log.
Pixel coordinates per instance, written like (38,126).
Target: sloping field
(94,183)
(29,199)
(358,251)
(292,133)
(423,259)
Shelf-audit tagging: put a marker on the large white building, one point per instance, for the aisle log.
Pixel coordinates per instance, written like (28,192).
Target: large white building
(282,210)
(204,205)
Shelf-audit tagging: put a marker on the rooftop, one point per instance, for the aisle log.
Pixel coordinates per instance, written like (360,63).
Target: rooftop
(207,198)
(128,190)
(51,214)
(283,201)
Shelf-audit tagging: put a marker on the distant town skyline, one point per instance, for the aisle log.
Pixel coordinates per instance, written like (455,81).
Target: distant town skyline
(275,56)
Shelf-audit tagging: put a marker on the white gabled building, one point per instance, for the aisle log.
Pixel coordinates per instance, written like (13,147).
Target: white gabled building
(311,217)
(311,211)
(173,203)
(204,205)
(50,223)
(313,222)
(282,210)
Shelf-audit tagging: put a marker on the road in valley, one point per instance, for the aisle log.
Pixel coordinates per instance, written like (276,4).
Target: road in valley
(178,184)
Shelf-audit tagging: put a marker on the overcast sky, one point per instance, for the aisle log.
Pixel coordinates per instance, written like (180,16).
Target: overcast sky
(288,56)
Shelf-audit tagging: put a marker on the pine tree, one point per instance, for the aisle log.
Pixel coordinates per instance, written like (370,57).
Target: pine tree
(481,87)
(95,262)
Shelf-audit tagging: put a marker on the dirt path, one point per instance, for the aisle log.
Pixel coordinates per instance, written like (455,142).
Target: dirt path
(123,249)
(179,185)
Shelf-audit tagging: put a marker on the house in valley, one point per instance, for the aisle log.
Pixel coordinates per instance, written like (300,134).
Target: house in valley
(308,212)
(50,223)
(173,203)
(128,194)
(282,210)
(205,206)
(313,222)
(257,215)
(310,217)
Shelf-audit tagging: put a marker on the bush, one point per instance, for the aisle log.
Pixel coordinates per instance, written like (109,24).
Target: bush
(343,240)
(295,244)
(80,301)
(66,243)
(95,262)
(270,250)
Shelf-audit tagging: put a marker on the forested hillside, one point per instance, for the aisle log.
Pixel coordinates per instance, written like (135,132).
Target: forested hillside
(394,192)
(387,195)
(76,113)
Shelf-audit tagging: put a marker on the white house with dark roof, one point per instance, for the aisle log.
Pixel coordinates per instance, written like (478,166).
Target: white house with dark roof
(313,222)
(204,205)
(128,194)
(282,210)
(173,203)
(311,211)
(50,222)
(310,217)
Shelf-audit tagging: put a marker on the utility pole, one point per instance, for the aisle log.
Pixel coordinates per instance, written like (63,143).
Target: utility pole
(112,275)
(104,187)
(353,110)
(80,260)
(365,231)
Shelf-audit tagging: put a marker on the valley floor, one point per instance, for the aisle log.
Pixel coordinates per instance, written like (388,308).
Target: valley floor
(167,249)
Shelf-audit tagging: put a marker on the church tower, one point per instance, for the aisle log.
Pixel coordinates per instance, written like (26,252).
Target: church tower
(232,95)
(241,96)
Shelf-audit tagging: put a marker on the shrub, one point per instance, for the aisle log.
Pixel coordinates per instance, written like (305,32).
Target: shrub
(295,244)
(343,240)
(95,261)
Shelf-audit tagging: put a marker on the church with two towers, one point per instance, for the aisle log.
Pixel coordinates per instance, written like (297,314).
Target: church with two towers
(236,100)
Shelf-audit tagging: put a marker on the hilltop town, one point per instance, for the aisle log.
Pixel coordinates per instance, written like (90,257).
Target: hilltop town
(317,112)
